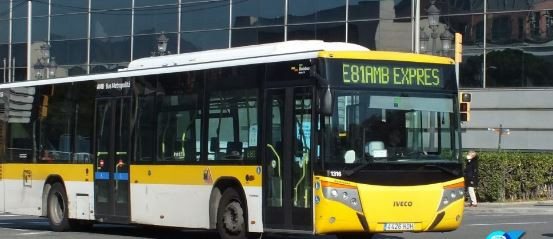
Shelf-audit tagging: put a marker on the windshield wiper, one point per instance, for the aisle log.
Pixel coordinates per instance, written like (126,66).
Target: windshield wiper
(443,169)
(356,169)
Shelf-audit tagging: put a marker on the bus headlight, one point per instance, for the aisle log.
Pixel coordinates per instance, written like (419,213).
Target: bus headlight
(349,194)
(451,194)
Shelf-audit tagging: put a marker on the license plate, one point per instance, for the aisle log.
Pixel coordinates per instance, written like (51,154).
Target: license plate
(399,226)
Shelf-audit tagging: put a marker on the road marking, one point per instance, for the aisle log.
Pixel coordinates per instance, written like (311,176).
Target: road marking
(33,233)
(507,223)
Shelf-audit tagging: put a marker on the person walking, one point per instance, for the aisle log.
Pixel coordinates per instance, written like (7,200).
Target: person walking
(471,176)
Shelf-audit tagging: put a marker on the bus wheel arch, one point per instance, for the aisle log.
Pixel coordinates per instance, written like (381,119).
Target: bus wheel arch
(217,191)
(46,190)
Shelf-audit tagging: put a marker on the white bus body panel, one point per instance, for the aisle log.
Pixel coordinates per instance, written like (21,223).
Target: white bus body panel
(184,205)
(27,199)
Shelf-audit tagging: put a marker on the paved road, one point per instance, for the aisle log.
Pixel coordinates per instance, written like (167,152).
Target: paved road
(535,219)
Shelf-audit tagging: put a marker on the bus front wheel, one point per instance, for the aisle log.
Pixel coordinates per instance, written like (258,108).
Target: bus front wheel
(231,217)
(57,208)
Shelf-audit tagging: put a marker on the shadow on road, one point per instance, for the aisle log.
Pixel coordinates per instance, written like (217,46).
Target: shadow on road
(547,235)
(35,224)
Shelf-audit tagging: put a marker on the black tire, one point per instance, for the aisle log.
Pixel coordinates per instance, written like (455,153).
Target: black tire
(354,236)
(231,216)
(57,208)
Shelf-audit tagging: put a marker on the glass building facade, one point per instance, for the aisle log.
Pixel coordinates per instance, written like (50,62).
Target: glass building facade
(507,43)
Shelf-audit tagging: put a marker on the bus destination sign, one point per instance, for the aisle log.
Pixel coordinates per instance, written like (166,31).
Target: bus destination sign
(388,75)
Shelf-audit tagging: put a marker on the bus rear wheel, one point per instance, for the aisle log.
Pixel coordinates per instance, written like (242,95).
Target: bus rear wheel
(57,208)
(231,217)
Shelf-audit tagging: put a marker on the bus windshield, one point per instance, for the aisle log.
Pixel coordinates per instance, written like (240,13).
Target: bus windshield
(382,127)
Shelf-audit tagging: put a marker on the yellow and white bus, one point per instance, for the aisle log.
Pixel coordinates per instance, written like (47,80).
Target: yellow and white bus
(292,137)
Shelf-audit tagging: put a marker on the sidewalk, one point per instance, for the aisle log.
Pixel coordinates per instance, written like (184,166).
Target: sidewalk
(526,207)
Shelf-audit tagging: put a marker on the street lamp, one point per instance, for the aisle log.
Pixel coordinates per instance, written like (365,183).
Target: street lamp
(433,15)
(45,65)
(424,37)
(446,37)
(161,46)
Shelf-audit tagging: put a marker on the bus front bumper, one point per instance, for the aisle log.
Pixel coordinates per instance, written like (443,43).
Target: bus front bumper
(386,209)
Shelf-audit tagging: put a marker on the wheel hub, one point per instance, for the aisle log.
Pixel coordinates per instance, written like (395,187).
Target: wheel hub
(233,218)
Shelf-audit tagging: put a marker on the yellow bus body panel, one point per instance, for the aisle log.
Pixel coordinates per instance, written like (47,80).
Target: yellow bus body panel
(386,56)
(193,174)
(377,203)
(68,172)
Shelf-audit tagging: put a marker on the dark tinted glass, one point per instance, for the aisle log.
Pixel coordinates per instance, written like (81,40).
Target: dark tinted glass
(523,67)
(363,9)
(326,32)
(510,5)
(19,9)
(4,31)
(40,8)
(20,74)
(313,11)
(111,23)
(96,69)
(19,30)
(470,73)
(85,93)
(69,26)
(155,19)
(539,26)
(3,54)
(146,44)
(205,15)
(251,36)
(142,3)
(69,6)
(257,12)
(19,52)
(40,28)
(4,10)
(454,6)
(55,126)
(20,142)
(198,41)
(69,52)
(505,28)
(108,50)
(363,33)
(145,116)
(75,70)
(470,26)
(179,117)
(110,4)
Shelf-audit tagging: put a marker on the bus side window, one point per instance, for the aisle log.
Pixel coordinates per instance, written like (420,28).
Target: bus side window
(233,125)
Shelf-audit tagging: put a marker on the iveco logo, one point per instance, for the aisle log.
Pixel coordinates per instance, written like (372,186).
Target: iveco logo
(403,203)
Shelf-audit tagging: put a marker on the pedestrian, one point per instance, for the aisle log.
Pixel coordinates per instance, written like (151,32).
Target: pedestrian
(471,176)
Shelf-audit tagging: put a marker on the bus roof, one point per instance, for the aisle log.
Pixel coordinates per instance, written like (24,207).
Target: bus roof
(255,54)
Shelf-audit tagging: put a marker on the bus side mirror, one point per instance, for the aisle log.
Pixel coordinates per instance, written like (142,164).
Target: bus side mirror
(326,103)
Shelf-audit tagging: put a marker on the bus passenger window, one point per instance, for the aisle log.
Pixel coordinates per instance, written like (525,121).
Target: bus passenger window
(233,125)
(179,117)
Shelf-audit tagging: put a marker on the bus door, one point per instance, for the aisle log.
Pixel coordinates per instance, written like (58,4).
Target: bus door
(287,162)
(112,140)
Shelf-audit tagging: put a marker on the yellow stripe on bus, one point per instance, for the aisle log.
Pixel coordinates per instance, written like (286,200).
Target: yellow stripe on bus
(193,174)
(68,172)
(386,56)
